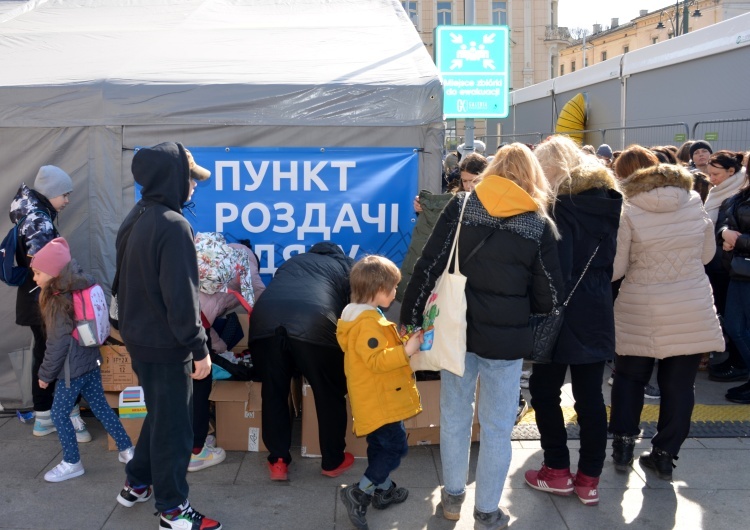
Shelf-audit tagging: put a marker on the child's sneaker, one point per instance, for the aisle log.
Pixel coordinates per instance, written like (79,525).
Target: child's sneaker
(346,464)
(209,456)
(557,481)
(185,518)
(586,488)
(356,502)
(279,470)
(43,424)
(131,495)
(82,434)
(126,455)
(64,471)
(382,499)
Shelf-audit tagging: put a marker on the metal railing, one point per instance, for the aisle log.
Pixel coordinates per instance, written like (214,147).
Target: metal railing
(646,135)
(733,135)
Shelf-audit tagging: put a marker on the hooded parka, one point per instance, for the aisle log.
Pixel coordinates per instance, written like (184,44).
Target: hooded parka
(514,273)
(665,306)
(587,213)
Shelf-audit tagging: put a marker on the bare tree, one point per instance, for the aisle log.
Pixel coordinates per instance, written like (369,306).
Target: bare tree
(578,33)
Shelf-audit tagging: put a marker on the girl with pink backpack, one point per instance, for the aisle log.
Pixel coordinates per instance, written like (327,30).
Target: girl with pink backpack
(68,359)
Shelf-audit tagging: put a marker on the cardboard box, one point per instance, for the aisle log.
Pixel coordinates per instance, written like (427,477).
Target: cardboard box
(310,441)
(424,428)
(238,415)
(132,426)
(132,411)
(117,370)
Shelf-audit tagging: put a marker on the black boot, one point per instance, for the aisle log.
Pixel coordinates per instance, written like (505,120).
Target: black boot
(382,499)
(622,451)
(356,502)
(660,461)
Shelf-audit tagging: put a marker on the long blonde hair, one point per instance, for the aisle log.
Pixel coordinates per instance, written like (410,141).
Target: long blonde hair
(558,155)
(518,164)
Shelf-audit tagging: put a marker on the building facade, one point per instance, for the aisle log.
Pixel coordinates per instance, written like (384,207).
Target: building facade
(648,28)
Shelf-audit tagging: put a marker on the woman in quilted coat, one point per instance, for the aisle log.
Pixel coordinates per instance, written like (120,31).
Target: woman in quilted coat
(664,311)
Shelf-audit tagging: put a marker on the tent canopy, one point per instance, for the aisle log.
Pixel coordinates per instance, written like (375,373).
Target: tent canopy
(83,82)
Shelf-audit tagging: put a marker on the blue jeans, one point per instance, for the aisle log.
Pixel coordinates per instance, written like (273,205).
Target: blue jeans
(90,386)
(498,403)
(737,317)
(386,446)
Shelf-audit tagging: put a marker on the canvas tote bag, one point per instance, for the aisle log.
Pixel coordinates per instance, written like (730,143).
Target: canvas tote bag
(444,323)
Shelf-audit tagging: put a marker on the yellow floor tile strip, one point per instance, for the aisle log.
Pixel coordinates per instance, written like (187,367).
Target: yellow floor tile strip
(650,414)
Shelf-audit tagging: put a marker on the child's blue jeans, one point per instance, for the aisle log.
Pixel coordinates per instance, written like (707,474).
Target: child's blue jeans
(89,385)
(386,446)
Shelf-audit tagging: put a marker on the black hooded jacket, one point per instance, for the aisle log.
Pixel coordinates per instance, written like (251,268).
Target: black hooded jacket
(587,214)
(157,266)
(305,297)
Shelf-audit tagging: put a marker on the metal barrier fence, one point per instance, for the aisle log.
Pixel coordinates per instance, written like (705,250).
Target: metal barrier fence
(647,135)
(733,135)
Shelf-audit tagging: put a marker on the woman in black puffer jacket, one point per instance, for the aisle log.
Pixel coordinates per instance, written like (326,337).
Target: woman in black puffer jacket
(733,232)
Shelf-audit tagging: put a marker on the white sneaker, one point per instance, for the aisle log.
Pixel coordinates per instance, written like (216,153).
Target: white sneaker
(525,374)
(64,471)
(126,455)
(209,456)
(43,424)
(82,434)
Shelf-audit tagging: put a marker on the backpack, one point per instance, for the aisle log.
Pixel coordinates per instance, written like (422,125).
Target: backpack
(10,273)
(92,316)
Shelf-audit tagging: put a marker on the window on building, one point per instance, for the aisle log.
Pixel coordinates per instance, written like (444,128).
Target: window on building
(411,11)
(585,61)
(670,35)
(499,13)
(444,13)
(572,66)
(562,69)
(604,56)
(654,40)
(625,49)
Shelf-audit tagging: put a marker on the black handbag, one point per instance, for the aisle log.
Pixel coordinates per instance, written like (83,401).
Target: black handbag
(546,327)
(740,266)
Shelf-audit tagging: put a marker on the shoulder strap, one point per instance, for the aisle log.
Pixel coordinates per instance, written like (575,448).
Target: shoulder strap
(455,239)
(582,274)
(481,243)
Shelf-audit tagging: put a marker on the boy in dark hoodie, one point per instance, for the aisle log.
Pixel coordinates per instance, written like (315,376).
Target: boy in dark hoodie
(159,320)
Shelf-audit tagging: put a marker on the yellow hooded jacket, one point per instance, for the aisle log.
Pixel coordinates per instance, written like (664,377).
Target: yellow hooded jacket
(382,386)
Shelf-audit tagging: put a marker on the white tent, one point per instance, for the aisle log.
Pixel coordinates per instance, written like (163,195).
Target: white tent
(82,82)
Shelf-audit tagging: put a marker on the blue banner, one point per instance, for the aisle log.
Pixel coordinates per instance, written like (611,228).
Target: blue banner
(287,199)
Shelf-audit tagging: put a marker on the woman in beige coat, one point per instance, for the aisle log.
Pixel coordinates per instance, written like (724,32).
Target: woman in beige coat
(664,310)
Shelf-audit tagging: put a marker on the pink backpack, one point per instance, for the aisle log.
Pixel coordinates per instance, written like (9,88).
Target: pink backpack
(92,316)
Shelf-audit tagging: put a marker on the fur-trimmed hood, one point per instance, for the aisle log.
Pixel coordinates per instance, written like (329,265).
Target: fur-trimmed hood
(661,176)
(586,177)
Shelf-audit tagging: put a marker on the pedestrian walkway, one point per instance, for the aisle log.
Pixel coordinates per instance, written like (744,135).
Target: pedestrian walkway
(710,488)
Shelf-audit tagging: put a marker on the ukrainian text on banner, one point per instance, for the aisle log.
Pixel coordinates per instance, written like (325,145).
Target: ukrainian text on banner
(287,199)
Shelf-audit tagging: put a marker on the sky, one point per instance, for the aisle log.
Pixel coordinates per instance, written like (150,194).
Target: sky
(586,13)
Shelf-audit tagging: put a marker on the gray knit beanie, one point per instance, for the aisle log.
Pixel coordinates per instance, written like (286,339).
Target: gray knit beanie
(51,181)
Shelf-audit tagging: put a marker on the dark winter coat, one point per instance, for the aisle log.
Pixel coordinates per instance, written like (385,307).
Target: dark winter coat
(157,265)
(36,231)
(61,345)
(305,297)
(515,272)
(587,214)
(734,214)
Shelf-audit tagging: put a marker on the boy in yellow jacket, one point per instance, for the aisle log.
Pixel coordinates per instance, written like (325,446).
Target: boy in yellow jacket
(382,387)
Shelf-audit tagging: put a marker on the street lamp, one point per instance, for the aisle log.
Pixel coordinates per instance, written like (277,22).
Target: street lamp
(685,17)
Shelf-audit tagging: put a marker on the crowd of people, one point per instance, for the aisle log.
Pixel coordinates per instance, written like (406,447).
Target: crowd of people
(649,246)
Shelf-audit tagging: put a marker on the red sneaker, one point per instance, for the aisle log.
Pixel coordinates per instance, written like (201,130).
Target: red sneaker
(346,464)
(557,481)
(586,488)
(279,470)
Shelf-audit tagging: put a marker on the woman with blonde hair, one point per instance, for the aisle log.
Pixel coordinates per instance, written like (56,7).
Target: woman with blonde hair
(664,311)
(558,155)
(587,213)
(507,252)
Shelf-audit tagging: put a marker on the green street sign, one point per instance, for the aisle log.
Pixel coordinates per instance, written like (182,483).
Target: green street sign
(680,137)
(474,66)
(711,136)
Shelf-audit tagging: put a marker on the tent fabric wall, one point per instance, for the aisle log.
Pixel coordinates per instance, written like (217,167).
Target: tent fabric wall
(85,81)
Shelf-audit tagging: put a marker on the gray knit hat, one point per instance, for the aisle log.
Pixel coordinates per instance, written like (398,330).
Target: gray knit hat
(51,181)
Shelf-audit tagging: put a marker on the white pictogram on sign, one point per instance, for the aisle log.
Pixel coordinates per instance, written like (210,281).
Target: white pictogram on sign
(473,52)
